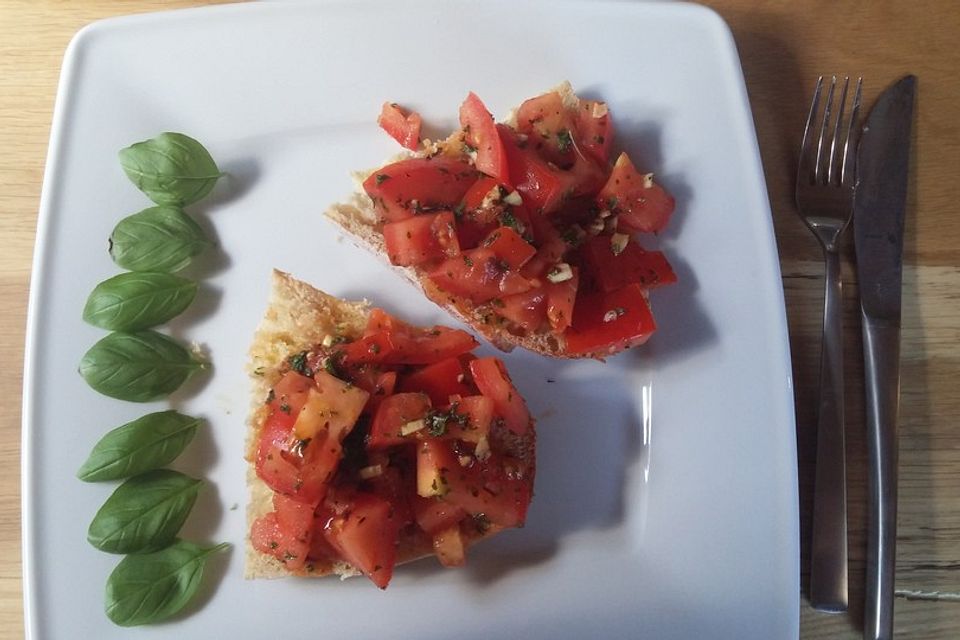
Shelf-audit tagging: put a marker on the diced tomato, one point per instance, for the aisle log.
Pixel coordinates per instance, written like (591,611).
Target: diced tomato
(432,345)
(393,414)
(640,203)
(478,411)
(449,547)
(291,392)
(421,238)
(551,127)
(404,127)
(561,297)
(485,489)
(331,409)
(365,535)
(434,514)
(373,348)
(399,490)
(382,388)
(403,188)
(439,381)
(483,202)
(493,381)
(478,274)
(482,134)
(541,187)
(604,323)
(595,130)
(470,233)
(609,271)
(389,341)
(269,537)
(527,310)
(507,245)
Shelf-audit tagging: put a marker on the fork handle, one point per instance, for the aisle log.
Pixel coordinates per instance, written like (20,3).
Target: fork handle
(881,358)
(828,565)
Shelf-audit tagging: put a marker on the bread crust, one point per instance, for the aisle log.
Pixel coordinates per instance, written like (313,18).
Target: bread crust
(298,317)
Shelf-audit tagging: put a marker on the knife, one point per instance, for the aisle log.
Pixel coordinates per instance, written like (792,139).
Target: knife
(879,208)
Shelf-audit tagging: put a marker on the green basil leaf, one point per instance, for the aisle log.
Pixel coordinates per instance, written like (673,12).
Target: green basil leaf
(133,301)
(139,367)
(144,513)
(145,444)
(153,587)
(157,239)
(171,169)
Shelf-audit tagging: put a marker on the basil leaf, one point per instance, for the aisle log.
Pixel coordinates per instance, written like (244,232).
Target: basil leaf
(147,443)
(144,513)
(171,169)
(157,239)
(139,367)
(133,301)
(153,587)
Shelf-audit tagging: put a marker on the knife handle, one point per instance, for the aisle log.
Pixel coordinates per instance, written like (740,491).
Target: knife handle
(828,553)
(881,356)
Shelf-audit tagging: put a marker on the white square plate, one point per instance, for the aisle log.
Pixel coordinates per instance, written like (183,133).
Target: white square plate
(666,503)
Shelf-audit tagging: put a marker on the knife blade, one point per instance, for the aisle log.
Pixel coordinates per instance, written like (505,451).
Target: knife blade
(883,160)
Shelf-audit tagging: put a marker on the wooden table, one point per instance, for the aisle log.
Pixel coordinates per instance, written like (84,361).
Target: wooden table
(784,45)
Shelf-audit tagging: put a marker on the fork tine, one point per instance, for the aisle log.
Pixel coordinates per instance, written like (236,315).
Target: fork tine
(827,106)
(805,158)
(848,154)
(832,169)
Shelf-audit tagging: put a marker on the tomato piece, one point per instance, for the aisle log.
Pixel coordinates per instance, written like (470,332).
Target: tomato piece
(393,486)
(432,345)
(609,271)
(365,535)
(421,238)
(449,547)
(434,514)
(561,297)
(640,203)
(390,341)
(608,322)
(541,187)
(481,133)
(401,189)
(291,392)
(485,488)
(478,274)
(331,409)
(483,202)
(381,388)
(393,414)
(269,537)
(478,414)
(493,381)
(551,127)
(370,349)
(289,467)
(527,310)
(470,232)
(439,381)
(403,126)
(595,130)
(507,245)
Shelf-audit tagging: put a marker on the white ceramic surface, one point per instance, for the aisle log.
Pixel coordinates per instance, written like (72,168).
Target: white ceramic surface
(666,503)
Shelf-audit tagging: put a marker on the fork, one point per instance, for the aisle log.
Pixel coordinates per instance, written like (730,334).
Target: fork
(825,187)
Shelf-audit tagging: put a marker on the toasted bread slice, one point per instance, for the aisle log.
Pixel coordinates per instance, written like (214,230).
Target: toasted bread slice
(299,317)
(358,218)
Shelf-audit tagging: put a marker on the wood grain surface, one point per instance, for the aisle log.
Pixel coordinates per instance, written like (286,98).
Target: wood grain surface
(784,45)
